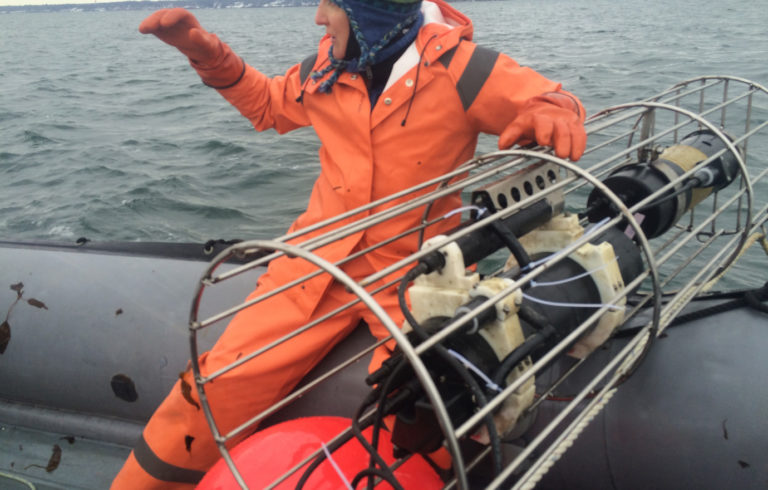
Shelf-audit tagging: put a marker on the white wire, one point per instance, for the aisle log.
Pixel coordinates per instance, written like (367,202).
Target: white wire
(480,210)
(569,279)
(571,305)
(488,382)
(589,231)
(336,467)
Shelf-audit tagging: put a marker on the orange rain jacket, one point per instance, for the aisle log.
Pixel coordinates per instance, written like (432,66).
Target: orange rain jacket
(425,123)
(442,92)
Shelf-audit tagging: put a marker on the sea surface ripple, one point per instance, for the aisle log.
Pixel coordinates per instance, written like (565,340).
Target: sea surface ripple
(109,134)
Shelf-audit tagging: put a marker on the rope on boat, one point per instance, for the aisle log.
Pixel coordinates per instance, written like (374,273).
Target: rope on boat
(747,245)
(563,446)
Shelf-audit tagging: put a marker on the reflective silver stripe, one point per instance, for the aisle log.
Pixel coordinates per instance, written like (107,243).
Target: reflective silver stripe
(157,468)
(475,74)
(306,67)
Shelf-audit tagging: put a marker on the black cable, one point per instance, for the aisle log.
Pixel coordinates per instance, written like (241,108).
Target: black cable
(599,201)
(338,443)
(370,472)
(412,274)
(416,78)
(358,424)
(753,298)
(459,368)
(516,356)
(545,331)
(320,459)
(357,431)
(711,296)
(720,295)
(756,297)
(383,409)
(511,242)
(760,294)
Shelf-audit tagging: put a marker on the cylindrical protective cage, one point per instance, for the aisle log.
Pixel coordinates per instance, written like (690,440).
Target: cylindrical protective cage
(462,319)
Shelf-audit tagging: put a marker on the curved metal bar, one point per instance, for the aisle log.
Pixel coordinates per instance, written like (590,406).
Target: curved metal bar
(719,77)
(407,349)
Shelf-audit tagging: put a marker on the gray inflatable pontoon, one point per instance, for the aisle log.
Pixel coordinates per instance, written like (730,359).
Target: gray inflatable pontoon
(624,348)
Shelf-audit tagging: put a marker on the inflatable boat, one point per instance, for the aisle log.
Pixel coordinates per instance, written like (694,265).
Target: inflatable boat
(597,325)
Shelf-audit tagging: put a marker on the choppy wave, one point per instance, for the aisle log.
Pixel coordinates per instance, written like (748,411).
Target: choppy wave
(109,134)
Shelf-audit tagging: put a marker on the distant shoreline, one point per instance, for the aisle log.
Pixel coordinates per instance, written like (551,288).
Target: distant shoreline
(155,5)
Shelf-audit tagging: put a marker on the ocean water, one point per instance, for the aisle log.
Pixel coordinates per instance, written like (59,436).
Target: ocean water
(109,134)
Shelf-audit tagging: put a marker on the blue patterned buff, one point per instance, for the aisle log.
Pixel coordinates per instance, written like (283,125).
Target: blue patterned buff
(381,28)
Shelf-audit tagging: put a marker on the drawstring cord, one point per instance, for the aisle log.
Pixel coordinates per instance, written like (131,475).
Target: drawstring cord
(300,98)
(416,82)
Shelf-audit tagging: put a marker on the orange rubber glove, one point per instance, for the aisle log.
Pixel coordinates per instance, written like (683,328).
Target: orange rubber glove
(213,60)
(552,119)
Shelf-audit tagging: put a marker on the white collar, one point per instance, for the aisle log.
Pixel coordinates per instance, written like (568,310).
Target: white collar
(410,57)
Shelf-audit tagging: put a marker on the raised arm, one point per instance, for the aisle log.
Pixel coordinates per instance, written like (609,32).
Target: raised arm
(266,102)
(213,60)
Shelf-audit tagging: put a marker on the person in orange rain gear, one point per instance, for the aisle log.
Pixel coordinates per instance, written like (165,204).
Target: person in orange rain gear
(397,93)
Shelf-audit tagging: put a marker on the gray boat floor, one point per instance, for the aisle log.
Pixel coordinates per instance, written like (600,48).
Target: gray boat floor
(94,449)
(28,459)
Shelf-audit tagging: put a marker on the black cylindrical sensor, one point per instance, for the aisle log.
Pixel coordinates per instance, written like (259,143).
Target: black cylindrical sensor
(636,181)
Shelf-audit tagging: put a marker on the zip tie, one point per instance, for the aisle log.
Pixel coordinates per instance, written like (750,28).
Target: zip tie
(488,382)
(629,231)
(480,211)
(569,279)
(475,323)
(336,467)
(571,305)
